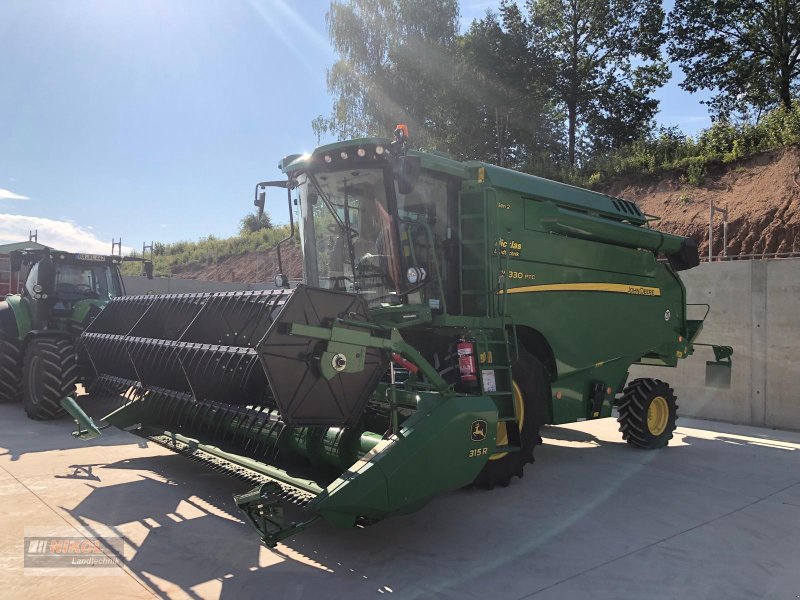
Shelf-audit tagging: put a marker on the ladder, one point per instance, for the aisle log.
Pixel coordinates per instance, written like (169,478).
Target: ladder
(497,350)
(477,294)
(474,254)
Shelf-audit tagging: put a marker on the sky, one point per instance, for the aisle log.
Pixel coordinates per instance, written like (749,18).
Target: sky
(152,120)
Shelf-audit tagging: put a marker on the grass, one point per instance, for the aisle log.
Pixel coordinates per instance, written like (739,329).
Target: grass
(208,250)
(668,151)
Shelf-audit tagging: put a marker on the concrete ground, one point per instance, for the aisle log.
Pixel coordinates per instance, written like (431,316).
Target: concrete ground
(715,515)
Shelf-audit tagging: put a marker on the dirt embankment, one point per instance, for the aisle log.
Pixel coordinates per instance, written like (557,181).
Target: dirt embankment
(762,194)
(251,267)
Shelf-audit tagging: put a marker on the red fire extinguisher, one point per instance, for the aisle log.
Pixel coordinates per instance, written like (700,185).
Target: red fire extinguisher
(466,362)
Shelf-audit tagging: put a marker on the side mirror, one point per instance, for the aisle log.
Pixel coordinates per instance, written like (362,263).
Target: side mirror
(408,175)
(261,198)
(148,269)
(261,193)
(16,262)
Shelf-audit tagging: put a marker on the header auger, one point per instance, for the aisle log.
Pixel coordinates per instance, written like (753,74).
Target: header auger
(449,310)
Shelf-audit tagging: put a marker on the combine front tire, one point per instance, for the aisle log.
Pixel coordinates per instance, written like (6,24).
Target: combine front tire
(531,393)
(647,413)
(10,370)
(50,373)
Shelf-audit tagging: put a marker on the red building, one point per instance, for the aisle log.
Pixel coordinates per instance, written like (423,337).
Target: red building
(11,283)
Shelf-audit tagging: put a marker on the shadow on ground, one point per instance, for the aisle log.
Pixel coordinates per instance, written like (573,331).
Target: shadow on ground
(29,436)
(587,501)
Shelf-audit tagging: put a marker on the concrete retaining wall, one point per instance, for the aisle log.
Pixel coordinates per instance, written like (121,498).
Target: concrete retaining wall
(755,307)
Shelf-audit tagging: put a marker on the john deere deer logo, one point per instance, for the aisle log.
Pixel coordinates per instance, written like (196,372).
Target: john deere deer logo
(478,431)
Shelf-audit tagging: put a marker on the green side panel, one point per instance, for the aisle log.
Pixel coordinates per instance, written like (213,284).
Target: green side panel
(600,306)
(572,400)
(21,314)
(561,193)
(434,453)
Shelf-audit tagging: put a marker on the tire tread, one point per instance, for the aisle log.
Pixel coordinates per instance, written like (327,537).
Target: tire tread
(10,370)
(632,409)
(59,372)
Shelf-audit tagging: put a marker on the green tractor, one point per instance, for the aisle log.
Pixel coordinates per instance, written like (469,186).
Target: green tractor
(450,309)
(63,292)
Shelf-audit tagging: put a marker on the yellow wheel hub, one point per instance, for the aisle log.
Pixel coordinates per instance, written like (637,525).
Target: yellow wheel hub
(657,415)
(502,430)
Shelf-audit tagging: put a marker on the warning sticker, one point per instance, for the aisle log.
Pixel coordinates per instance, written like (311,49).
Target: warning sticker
(489,383)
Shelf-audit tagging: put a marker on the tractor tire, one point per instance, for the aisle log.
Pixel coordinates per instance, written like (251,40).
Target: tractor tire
(10,370)
(533,391)
(50,374)
(647,413)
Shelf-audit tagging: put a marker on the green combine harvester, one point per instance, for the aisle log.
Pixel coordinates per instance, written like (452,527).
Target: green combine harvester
(449,310)
(63,293)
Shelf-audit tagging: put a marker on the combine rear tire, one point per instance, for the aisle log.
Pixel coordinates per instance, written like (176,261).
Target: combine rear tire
(50,373)
(531,392)
(647,413)
(10,370)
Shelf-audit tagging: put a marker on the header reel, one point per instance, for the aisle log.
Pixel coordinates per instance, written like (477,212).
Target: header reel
(242,348)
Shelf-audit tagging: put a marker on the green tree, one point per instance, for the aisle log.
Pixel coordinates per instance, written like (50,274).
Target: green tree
(606,62)
(395,59)
(748,51)
(502,108)
(253,222)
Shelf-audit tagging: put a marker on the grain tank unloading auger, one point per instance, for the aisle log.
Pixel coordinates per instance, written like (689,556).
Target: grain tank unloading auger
(450,309)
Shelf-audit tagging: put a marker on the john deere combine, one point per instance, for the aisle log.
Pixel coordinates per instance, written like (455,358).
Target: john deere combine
(63,292)
(449,310)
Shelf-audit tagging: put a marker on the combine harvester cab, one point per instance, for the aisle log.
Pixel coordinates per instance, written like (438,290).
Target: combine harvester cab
(450,310)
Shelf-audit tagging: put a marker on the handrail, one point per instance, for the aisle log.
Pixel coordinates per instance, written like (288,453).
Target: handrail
(753,256)
(756,256)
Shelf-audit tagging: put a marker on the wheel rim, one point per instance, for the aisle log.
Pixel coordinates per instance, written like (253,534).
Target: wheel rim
(502,430)
(657,415)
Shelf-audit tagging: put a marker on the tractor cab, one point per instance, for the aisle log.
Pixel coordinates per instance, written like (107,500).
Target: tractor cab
(63,293)
(58,283)
(78,280)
